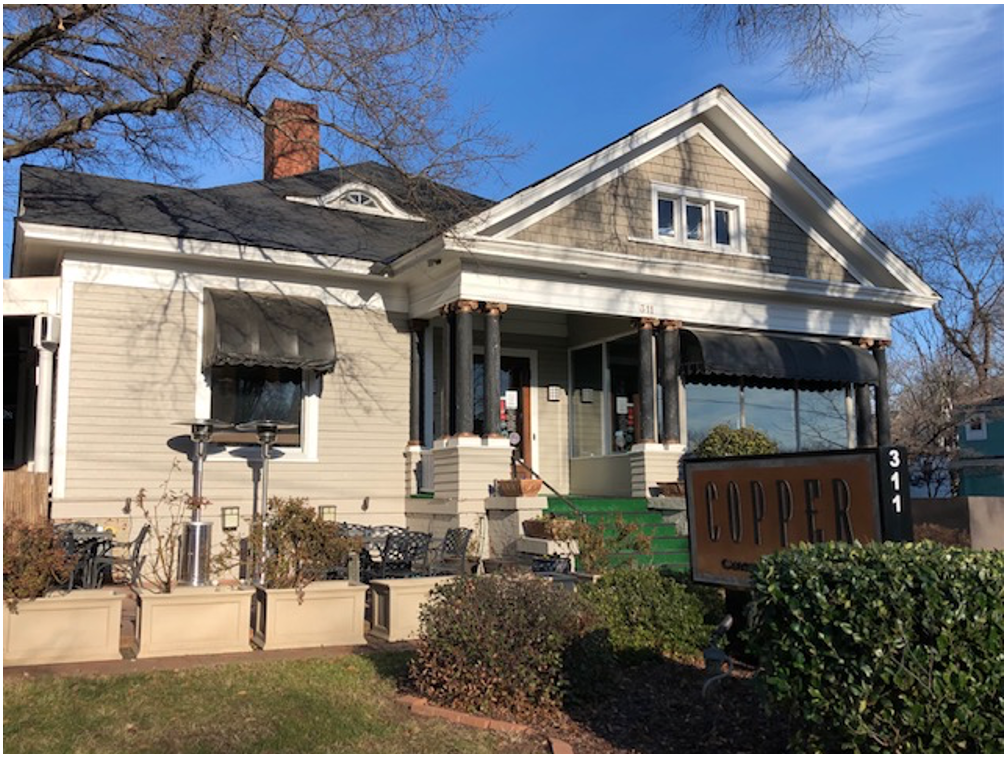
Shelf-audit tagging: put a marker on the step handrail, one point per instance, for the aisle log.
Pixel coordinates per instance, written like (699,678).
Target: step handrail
(581,516)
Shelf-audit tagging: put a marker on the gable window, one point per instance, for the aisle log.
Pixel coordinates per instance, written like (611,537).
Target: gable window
(976,427)
(358,198)
(693,218)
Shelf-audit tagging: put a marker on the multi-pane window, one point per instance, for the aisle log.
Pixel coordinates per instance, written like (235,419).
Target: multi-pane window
(694,218)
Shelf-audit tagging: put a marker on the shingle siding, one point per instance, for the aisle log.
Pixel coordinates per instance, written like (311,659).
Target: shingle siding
(607,218)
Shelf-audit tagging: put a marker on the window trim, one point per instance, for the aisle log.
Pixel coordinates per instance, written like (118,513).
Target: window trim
(711,203)
(976,434)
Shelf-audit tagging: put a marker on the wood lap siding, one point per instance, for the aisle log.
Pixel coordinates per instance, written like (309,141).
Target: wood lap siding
(133,373)
(606,218)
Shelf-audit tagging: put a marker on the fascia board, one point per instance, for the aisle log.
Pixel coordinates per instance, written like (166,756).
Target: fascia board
(185,249)
(647,271)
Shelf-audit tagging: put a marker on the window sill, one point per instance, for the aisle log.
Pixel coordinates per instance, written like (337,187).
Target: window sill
(699,247)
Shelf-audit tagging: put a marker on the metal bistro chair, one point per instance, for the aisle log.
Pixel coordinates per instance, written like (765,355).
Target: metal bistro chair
(404,555)
(131,560)
(451,554)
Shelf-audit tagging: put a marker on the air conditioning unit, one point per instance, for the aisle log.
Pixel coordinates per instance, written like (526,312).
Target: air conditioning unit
(47,331)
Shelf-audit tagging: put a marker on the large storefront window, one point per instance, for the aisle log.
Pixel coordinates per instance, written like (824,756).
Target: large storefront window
(587,402)
(821,423)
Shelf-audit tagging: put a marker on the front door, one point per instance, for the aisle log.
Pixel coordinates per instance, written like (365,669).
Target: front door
(515,420)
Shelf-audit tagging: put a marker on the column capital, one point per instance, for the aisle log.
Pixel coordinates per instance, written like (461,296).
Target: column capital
(883,343)
(645,323)
(418,325)
(491,307)
(866,342)
(671,324)
(462,306)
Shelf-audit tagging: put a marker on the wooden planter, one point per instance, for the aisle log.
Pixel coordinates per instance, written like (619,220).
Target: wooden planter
(396,603)
(672,488)
(559,529)
(75,626)
(331,613)
(519,487)
(193,620)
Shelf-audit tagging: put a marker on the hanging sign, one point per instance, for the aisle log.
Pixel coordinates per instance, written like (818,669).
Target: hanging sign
(742,508)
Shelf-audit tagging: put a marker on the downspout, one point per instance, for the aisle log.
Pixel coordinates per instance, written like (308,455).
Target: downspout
(46,340)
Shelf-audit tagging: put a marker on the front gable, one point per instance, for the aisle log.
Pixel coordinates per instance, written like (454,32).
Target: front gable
(794,228)
(620,217)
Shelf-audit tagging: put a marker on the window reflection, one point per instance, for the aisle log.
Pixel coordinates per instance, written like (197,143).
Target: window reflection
(823,417)
(708,406)
(772,412)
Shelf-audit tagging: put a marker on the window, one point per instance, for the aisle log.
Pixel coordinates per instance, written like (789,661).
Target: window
(587,403)
(976,427)
(357,198)
(697,219)
(242,394)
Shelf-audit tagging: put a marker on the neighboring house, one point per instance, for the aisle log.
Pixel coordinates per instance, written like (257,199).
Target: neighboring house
(690,273)
(981,449)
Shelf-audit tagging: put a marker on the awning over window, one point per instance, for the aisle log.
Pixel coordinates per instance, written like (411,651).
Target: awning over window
(254,329)
(707,353)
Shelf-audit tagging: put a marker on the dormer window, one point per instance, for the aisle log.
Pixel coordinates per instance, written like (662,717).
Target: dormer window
(692,218)
(360,198)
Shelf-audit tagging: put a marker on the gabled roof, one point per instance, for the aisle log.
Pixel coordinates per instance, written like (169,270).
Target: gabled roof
(754,150)
(256,214)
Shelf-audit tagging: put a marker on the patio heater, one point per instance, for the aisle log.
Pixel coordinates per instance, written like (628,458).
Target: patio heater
(194,561)
(266,431)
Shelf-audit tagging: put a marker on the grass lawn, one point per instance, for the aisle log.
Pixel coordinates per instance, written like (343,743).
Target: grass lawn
(343,705)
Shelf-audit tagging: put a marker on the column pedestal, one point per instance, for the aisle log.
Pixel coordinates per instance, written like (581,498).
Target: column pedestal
(651,464)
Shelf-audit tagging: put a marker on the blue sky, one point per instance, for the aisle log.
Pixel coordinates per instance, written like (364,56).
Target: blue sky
(566,80)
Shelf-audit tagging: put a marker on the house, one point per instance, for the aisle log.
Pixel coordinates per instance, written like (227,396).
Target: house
(981,449)
(596,323)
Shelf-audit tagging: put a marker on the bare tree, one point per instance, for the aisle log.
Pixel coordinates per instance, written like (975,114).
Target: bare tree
(951,358)
(92,85)
(825,46)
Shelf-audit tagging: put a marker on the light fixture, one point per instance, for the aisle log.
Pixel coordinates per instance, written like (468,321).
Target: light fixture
(327,513)
(229,518)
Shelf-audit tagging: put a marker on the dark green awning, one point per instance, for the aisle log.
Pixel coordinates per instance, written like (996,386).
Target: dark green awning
(709,353)
(260,330)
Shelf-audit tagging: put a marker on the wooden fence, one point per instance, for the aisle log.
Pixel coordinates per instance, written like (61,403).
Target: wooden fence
(25,496)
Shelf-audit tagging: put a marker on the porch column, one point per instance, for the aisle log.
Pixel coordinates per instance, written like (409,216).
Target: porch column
(862,414)
(645,333)
(670,381)
(491,369)
(464,367)
(447,387)
(883,435)
(417,330)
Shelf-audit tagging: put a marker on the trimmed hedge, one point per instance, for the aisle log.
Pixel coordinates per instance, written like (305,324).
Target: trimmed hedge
(884,647)
(726,441)
(649,614)
(505,645)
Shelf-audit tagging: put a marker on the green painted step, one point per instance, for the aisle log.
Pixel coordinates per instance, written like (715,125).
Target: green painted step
(668,549)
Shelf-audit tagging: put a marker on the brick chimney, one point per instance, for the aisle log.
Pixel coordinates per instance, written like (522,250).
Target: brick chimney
(290,139)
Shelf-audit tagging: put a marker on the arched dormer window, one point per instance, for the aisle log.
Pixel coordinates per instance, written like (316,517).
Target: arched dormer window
(360,198)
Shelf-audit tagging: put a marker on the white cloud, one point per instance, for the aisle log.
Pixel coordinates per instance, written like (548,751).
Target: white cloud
(943,61)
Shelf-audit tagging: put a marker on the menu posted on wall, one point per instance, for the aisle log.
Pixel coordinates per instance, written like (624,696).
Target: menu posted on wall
(742,508)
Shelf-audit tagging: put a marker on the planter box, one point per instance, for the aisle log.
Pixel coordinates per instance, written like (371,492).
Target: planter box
(395,606)
(75,626)
(331,614)
(193,620)
(672,488)
(518,487)
(560,529)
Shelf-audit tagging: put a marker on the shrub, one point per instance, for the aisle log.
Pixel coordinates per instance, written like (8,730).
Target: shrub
(648,614)
(34,562)
(726,441)
(494,644)
(597,551)
(884,647)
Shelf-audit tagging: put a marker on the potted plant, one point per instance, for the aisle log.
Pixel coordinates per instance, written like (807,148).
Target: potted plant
(295,605)
(518,487)
(550,527)
(175,619)
(43,624)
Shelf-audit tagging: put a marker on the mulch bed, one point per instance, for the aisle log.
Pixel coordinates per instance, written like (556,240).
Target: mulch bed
(656,707)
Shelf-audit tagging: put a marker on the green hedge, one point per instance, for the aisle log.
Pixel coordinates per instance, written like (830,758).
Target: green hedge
(884,647)
(647,613)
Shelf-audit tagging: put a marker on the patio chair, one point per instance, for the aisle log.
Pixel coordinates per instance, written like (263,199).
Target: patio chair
(131,559)
(451,554)
(404,555)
